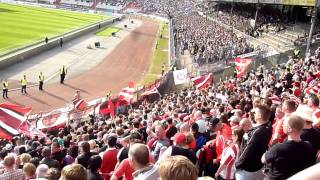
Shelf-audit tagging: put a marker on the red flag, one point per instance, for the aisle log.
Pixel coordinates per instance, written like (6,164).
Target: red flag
(202,81)
(107,107)
(242,65)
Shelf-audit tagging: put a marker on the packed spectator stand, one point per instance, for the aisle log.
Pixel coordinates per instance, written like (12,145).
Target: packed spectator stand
(267,120)
(207,40)
(204,126)
(240,17)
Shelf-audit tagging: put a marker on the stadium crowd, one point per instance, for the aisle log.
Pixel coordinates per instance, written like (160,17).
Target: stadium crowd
(240,17)
(207,40)
(240,128)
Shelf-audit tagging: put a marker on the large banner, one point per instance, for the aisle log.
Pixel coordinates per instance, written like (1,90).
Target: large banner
(180,76)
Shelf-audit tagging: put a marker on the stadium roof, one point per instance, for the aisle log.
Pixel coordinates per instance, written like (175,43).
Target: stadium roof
(283,2)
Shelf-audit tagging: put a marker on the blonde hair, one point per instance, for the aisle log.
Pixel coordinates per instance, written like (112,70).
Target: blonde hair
(177,168)
(74,172)
(296,123)
(29,169)
(25,158)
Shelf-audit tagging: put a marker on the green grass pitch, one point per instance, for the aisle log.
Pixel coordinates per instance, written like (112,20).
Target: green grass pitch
(22,25)
(108,31)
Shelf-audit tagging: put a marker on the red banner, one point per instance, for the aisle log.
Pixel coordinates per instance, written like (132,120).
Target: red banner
(242,65)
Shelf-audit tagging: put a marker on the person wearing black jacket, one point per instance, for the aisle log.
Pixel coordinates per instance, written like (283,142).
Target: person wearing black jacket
(254,144)
(292,156)
(85,155)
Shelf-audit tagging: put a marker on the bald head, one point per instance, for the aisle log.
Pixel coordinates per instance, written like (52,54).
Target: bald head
(139,155)
(8,161)
(198,114)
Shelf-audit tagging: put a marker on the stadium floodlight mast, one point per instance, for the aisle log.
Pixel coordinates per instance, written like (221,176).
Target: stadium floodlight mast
(313,22)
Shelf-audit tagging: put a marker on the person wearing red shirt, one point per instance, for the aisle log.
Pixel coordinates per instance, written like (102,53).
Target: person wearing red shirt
(310,77)
(224,136)
(124,170)
(296,89)
(278,135)
(109,158)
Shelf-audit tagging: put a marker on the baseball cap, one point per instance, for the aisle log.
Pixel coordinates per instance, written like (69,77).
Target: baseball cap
(179,138)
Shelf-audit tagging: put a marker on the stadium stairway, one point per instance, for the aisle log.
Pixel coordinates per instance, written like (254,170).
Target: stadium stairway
(282,41)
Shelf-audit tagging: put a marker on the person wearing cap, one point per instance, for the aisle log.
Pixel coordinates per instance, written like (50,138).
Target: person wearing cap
(286,159)
(180,147)
(224,136)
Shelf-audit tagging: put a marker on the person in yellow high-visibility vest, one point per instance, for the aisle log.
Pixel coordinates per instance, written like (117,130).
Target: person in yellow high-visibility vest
(5,85)
(63,73)
(109,94)
(41,81)
(296,53)
(163,67)
(24,83)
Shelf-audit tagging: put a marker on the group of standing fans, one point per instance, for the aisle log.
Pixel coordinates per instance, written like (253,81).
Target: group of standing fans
(240,17)
(207,40)
(265,124)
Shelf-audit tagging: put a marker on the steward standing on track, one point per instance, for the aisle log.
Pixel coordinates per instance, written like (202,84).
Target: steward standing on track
(41,81)
(5,85)
(63,73)
(163,69)
(24,83)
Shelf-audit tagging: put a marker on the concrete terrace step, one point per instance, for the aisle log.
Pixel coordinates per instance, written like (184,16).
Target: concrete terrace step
(274,44)
(272,40)
(292,34)
(287,37)
(277,38)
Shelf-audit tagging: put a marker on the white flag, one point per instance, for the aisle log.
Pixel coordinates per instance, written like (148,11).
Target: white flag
(180,76)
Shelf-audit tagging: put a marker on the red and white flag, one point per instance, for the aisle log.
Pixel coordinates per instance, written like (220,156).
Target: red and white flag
(127,94)
(54,119)
(80,104)
(242,65)
(11,118)
(153,90)
(202,81)
(314,88)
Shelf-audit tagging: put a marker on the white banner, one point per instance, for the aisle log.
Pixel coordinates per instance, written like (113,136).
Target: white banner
(180,76)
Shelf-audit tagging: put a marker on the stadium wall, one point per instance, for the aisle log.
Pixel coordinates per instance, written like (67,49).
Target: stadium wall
(26,52)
